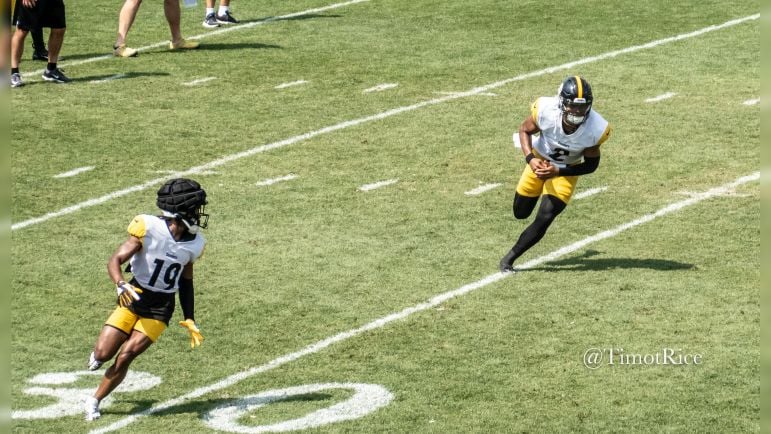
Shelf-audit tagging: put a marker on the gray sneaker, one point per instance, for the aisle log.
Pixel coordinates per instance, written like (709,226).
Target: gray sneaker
(210,21)
(16,80)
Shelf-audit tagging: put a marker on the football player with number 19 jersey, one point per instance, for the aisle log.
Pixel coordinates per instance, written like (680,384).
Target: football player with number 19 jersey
(561,141)
(161,251)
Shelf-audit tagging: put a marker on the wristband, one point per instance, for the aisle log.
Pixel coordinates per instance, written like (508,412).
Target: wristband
(529,157)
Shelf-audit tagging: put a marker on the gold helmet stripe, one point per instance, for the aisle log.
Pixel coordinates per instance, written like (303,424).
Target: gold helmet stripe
(580,87)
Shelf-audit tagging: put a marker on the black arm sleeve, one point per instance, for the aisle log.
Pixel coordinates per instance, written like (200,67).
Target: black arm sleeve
(187,298)
(589,165)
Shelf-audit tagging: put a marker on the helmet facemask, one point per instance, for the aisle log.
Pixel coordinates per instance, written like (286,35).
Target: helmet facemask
(575,113)
(575,100)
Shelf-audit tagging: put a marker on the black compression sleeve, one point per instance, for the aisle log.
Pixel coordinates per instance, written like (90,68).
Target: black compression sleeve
(589,165)
(187,298)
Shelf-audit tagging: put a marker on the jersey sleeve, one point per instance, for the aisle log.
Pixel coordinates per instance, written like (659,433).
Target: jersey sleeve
(605,135)
(137,227)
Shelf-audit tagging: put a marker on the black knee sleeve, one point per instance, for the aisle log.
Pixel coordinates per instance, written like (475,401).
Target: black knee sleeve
(523,206)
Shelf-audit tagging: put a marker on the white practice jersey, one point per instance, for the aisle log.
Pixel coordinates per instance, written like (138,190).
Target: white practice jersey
(158,265)
(553,144)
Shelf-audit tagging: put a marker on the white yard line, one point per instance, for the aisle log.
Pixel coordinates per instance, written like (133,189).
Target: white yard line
(373,186)
(74,172)
(429,304)
(661,97)
(230,28)
(380,87)
(272,181)
(199,81)
(290,84)
(382,115)
(110,78)
(754,101)
(590,192)
(482,188)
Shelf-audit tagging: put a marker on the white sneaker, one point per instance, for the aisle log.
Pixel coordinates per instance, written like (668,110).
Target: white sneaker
(92,409)
(93,364)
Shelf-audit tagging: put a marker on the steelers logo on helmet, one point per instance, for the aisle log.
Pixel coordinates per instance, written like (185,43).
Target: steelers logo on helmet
(185,200)
(575,99)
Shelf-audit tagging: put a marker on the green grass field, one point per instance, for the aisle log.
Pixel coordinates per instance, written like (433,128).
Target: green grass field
(311,281)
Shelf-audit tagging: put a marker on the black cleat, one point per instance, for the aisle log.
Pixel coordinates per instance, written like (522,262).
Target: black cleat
(40,55)
(505,265)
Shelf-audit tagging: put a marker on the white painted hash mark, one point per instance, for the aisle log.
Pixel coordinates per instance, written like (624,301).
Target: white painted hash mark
(590,192)
(368,187)
(381,87)
(110,78)
(74,172)
(199,81)
(290,84)
(371,118)
(430,304)
(482,188)
(275,180)
(753,101)
(661,97)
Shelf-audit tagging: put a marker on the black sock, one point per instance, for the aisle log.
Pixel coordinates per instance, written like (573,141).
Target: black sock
(14,70)
(38,44)
(51,66)
(550,208)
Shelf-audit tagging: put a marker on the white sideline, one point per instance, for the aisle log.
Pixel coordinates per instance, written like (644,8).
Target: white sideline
(431,303)
(375,117)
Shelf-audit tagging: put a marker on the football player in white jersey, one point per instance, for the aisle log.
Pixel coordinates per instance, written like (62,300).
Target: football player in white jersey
(561,141)
(161,251)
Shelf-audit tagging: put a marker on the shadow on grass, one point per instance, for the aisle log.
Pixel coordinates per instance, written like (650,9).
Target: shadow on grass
(207,46)
(586,263)
(126,76)
(203,406)
(292,18)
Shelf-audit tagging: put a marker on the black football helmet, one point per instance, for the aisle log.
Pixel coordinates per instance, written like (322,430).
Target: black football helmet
(575,99)
(185,200)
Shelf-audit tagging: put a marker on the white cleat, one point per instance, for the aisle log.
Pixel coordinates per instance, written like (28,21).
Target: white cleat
(92,409)
(93,364)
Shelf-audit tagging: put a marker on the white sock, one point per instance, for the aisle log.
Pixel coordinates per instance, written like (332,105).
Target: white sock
(209,11)
(223,10)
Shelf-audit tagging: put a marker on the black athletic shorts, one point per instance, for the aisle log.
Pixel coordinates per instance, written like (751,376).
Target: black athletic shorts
(45,13)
